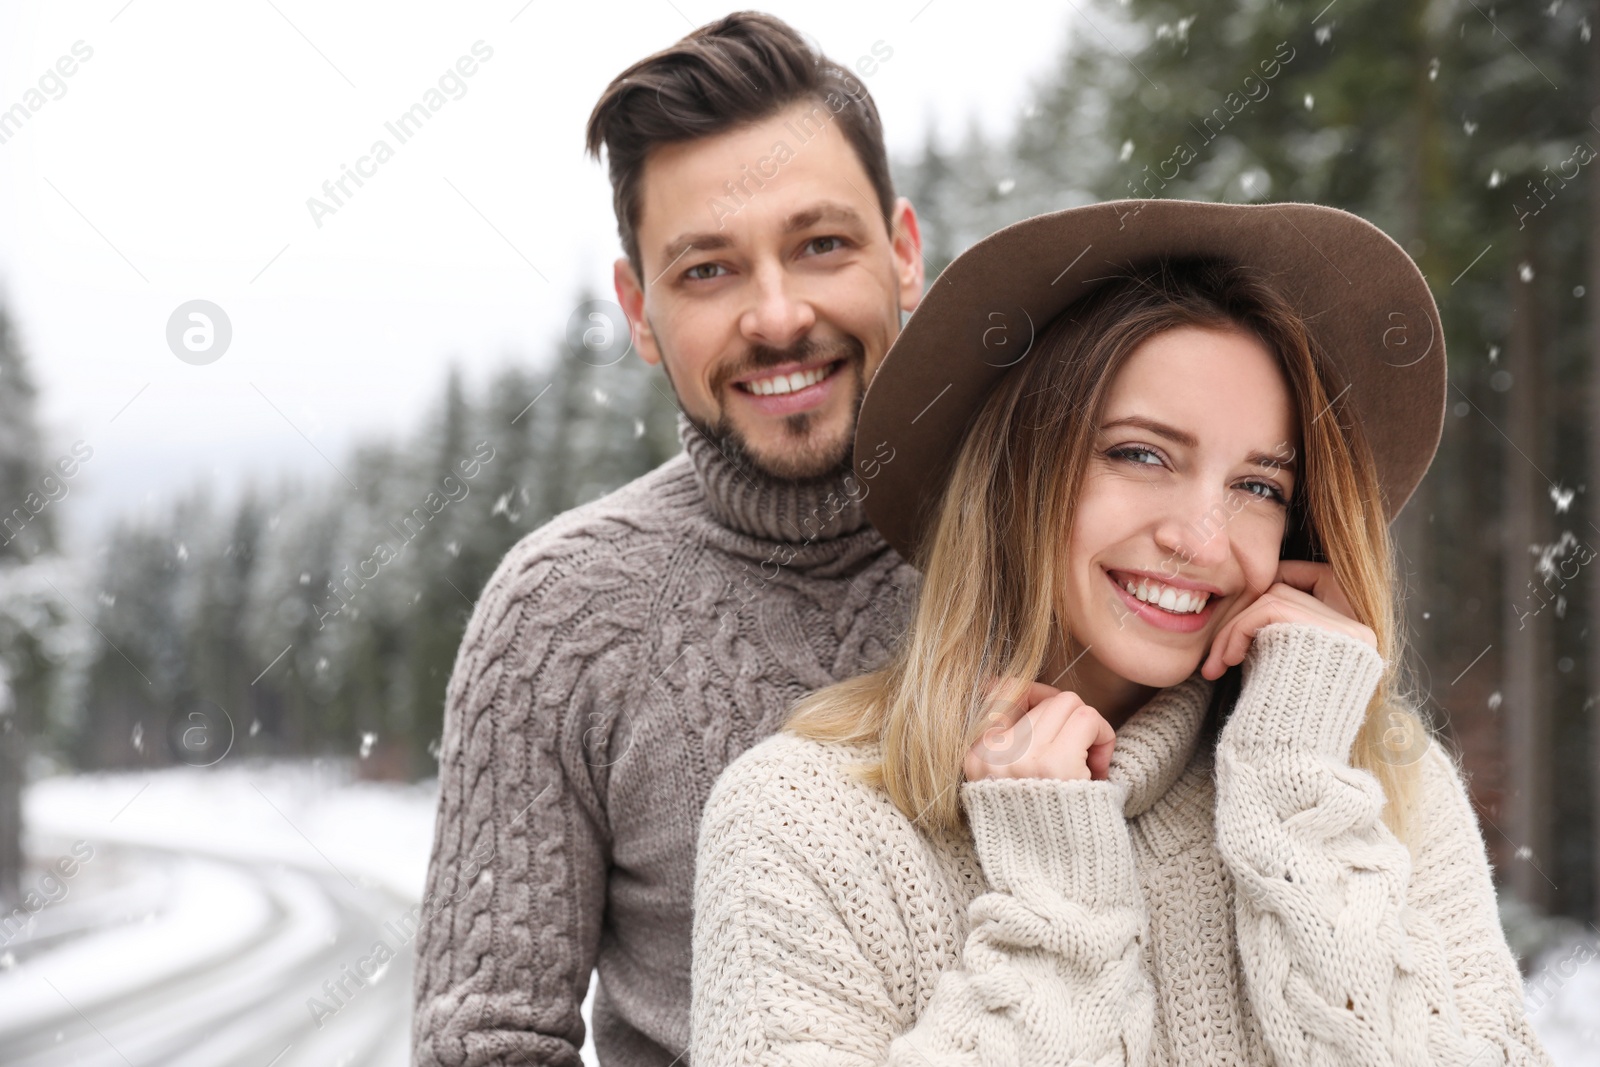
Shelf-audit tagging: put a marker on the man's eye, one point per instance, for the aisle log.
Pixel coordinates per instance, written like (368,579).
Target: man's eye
(698,271)
(822,245)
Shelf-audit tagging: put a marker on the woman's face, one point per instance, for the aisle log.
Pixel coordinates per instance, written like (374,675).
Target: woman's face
(1185,497)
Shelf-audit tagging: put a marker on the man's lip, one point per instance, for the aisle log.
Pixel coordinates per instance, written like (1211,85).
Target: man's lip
(785,369)
(1176,583)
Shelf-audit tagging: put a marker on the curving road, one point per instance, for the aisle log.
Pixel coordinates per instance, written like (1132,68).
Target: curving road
(189,959)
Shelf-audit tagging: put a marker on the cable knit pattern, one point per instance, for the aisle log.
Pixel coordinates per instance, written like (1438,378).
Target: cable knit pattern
(617,660)
(1079,923)
(1341,966)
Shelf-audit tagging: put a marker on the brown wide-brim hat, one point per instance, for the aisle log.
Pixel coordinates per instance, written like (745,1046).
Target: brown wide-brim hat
(1361,297)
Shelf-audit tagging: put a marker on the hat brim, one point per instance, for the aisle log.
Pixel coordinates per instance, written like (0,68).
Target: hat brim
(1358,292)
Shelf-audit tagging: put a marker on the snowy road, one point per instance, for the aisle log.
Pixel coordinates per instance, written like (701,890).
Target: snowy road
(211,961)
(222,917)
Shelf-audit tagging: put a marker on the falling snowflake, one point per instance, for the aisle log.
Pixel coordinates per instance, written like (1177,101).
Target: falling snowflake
(1496,178)
(1494,700)
(638,428)
(183,552)
(1310,101)
(1524,852)
(138,737)
(1471,128)
(1525,272)
(1324,34)
(1175,31)
(600,396)
(1562,497)
(255,727)
(1552,554)
(1494,353)
(1126,153)
(1433,70)
(1006,185)
(305,577)
(367,740)
(107,599)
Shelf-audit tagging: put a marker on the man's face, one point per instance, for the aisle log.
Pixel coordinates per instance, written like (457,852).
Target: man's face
(772,287)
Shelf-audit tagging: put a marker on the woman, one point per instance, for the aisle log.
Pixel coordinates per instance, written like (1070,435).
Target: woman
(1227,838)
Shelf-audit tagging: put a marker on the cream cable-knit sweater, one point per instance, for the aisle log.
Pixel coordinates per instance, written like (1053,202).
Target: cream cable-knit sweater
(1241,906)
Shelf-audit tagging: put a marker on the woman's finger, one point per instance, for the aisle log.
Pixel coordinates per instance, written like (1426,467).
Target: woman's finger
(1317,580)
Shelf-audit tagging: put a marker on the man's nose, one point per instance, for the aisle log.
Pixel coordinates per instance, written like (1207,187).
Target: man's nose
(778,316)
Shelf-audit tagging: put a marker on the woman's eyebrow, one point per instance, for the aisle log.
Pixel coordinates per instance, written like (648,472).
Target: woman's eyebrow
(1188,440)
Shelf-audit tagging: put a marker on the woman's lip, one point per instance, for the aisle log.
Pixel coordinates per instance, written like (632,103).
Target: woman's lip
(1160,618)
(799,400)
(1176,583)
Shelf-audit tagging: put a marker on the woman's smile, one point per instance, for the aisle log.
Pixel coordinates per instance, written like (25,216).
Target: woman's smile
(1162,605)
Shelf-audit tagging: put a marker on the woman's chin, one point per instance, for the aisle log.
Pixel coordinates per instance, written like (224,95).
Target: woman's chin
(1156,668)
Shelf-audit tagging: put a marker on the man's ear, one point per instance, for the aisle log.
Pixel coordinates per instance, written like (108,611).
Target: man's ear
(906,240)
(630,294)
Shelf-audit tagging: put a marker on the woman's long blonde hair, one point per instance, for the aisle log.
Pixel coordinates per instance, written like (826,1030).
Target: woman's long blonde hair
(993,558)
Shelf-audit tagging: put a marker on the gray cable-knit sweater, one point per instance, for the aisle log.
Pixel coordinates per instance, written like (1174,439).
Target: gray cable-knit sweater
(619,658)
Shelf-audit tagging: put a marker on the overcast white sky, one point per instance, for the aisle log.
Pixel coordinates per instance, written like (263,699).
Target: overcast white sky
(177,162)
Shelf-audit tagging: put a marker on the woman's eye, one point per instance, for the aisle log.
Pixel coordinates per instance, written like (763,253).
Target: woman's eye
(1128,452)
(696,272)
(1272,492)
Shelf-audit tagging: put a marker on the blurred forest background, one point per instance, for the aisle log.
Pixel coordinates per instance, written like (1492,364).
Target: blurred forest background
(1465,131)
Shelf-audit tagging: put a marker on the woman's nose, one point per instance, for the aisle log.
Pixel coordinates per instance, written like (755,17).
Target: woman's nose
(1197,538)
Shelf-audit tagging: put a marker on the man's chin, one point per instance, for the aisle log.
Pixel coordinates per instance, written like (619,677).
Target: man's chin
(811,454)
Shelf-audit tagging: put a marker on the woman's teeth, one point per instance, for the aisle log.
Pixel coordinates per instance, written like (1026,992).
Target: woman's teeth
(1177,601)
(787,383)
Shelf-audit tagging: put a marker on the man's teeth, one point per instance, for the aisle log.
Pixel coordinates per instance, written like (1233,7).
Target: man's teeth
(1177,601)
(787,383)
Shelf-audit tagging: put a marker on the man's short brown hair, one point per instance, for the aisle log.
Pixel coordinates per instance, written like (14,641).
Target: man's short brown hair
(737,70)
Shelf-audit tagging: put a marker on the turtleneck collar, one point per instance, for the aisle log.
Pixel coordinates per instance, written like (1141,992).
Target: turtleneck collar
(1155,745)
(771,508)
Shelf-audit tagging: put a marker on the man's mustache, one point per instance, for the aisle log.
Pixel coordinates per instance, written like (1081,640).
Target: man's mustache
(807,350)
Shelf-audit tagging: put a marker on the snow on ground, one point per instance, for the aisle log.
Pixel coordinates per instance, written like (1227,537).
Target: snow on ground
(375,834)
(1562,998)
(210,911)
(207,908)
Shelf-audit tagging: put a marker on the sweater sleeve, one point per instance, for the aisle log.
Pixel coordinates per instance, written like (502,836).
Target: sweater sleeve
(1351,956)
(516,887)
(792,965)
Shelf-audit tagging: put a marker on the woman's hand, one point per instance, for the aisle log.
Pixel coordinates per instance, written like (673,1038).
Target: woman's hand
(1303,592)
(1043,733)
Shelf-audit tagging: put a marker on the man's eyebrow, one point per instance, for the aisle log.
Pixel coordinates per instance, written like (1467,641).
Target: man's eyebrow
(827,212)
(1188,440)
(681,244)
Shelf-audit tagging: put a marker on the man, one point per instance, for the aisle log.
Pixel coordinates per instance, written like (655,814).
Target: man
(626,652)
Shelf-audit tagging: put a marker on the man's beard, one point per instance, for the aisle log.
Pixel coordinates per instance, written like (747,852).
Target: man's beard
(788,466)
